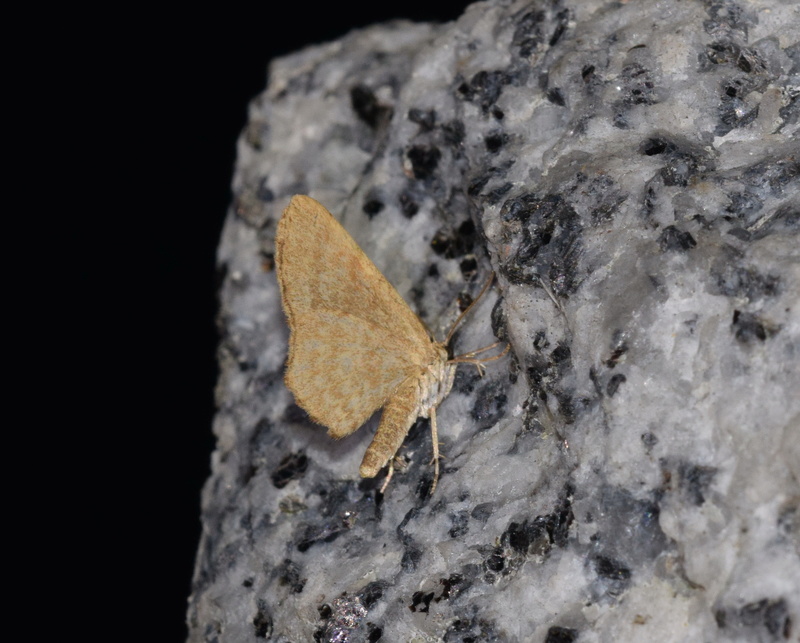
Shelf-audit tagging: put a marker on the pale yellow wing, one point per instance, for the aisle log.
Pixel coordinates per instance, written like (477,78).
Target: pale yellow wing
(342,369)
(353,338)
(321,267)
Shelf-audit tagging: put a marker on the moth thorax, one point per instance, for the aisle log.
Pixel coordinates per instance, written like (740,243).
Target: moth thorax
(435,384)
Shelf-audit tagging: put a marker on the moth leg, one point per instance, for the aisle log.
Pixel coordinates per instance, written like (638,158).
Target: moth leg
(480,350)
(470,358)
(388,476)
(435,440)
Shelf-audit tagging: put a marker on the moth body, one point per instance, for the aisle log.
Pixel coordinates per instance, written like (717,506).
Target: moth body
(355,346)
(436,383)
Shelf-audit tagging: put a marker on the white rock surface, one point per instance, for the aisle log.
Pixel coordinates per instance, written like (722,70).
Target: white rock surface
(631,471)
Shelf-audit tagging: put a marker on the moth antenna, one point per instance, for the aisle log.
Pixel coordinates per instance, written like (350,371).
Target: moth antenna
(468,308)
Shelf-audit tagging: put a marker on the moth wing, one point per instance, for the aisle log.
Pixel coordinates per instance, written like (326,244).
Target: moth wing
(399,414)
(321,267)
(341,368)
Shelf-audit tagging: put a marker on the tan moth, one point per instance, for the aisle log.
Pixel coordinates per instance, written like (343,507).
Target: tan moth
(355,346)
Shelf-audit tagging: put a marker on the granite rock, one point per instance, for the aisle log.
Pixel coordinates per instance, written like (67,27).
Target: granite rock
(631,470)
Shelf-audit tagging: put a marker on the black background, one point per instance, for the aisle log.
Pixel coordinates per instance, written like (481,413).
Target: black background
(192,77)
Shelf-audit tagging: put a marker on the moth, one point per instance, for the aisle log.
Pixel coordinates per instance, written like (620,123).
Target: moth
(355,346)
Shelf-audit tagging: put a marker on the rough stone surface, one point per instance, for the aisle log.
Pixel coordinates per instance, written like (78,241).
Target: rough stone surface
(631,471)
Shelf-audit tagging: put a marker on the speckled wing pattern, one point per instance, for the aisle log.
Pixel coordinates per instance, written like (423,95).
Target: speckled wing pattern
(354,339)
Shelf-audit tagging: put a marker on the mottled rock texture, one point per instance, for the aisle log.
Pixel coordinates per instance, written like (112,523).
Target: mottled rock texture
(630,471)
